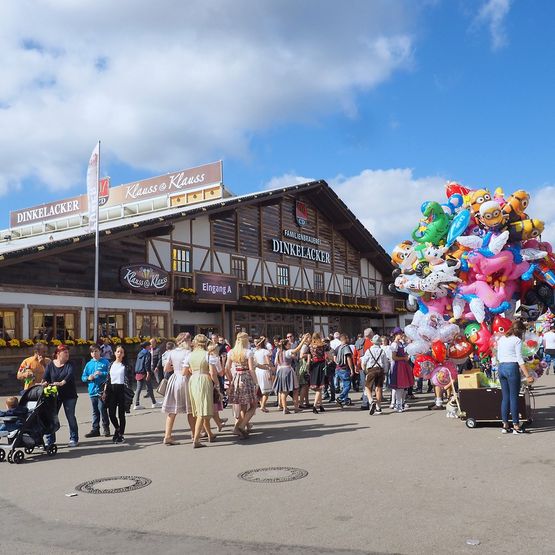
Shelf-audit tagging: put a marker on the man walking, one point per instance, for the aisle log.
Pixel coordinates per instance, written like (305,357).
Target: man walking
(344,368)
(143,375)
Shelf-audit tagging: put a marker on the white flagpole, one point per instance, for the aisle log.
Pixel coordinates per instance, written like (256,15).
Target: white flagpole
(96,252)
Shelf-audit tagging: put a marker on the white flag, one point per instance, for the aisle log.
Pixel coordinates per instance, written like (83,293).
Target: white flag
(92,188)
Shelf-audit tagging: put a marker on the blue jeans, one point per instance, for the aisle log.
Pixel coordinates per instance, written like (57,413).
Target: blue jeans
(344,377)
(99,408)
(69,409)
(509,376)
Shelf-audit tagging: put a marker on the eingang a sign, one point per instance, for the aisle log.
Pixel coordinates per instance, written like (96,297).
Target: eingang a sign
(216,287)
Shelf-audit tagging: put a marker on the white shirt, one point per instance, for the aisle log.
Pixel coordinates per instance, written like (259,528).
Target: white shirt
(117,373)
(509,349)
(549,340)
(377,354)
(334,343)
(259,356)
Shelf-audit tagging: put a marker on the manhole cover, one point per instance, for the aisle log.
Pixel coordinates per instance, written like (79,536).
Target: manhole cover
(273,474)
(114,484)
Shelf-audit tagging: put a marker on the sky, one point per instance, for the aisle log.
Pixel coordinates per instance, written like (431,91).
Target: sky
(384,99)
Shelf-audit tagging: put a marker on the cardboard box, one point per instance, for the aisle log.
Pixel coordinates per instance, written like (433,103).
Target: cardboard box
(469,379)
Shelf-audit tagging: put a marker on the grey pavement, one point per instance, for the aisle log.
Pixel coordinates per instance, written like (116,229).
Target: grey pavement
(415,482)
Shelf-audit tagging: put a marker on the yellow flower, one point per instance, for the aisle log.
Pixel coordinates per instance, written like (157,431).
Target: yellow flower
(70,342)
(2,343)
(28,342)
(55,342)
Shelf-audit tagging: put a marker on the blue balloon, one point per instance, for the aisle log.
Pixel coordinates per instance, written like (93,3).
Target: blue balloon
(458,225)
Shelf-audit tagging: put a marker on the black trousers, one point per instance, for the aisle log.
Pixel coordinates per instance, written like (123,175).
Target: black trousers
(116,401)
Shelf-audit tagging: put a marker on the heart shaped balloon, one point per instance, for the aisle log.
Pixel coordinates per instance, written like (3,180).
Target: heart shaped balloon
(439,350)
(460,348)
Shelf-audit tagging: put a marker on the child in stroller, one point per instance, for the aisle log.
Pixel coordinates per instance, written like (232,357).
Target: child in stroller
(13,417)
(40,402)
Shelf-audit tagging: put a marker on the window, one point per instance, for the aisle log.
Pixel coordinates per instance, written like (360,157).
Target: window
(371,288)
(347,286)
(239,268)
(318,281)
(110,324)
(181,260)
(283,275)
(50,325)
(8,319)
(150,325)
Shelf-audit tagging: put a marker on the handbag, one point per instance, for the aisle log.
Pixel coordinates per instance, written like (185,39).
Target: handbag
(105,391)
(216,395)
(161,389)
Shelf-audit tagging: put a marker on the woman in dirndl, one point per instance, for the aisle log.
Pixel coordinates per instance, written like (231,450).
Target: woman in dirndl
(176,397)
(242,386)
(287,380)
(263,371)
(401,376)
(316,358)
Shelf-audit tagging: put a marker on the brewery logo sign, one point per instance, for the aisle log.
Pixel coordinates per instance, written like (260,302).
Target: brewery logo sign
(301,213)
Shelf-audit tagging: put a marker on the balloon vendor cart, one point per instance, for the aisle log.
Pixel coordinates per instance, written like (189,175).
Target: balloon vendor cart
(484,405)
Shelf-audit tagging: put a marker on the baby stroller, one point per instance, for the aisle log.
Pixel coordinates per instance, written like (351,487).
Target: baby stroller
(42,419)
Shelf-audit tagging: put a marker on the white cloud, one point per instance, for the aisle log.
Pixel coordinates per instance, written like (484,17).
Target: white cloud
(285,180)
(493,14)
(169,84)
(388,202)
(541,207)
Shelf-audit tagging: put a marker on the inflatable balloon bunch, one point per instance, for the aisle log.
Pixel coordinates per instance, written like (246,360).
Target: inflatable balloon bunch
(472,262)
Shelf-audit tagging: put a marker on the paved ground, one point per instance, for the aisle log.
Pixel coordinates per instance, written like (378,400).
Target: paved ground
(415,482)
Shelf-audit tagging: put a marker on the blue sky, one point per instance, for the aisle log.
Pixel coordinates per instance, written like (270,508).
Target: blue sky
(385,100)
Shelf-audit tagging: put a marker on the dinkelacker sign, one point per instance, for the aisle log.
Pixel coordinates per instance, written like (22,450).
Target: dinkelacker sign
(144,278)
(161,186)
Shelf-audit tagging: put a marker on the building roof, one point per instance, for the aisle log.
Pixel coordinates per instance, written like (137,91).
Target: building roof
(328,203)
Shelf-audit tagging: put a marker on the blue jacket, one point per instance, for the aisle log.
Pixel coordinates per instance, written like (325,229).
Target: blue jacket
(101,365)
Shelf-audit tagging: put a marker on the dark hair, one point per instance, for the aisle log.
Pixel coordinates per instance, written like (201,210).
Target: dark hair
(145,344)
(517,328)
(94,348)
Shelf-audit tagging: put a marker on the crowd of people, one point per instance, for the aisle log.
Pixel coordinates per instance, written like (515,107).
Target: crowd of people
(199,376)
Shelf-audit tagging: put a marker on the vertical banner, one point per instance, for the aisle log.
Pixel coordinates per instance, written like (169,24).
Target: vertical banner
(92,188)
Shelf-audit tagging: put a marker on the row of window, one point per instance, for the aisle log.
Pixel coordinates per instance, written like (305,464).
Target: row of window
(63,324)
(181,262)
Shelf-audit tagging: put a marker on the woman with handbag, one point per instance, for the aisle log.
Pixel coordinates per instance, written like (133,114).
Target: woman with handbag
(215,360)
(176,398)
(203,377)
(263,371)
(119,377)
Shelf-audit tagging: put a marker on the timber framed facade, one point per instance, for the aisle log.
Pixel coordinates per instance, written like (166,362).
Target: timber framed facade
(290,259)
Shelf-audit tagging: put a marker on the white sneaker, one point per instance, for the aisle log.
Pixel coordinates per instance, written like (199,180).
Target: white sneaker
(138,407)
(392,406)
(406,406)
(157,405)
(73,444)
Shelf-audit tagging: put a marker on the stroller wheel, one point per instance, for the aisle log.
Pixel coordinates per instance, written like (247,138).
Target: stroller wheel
(2,455)
(52,450)
(10,457)
(348,402)
(18,457)
(29,450)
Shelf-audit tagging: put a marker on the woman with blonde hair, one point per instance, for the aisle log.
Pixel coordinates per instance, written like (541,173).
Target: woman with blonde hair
(202,379)
(176,398)
(242,386)
(263,371)
(316,359)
